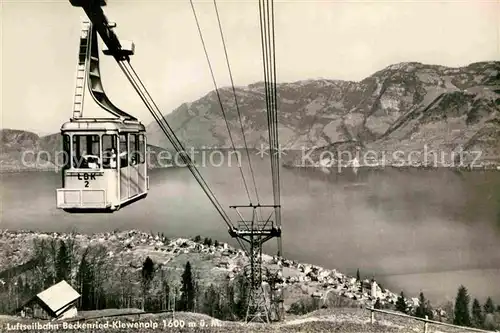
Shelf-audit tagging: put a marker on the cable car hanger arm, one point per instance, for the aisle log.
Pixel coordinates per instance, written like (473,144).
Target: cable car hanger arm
(100,22)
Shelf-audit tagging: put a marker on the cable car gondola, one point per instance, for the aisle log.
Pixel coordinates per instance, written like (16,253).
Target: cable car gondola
(105,165)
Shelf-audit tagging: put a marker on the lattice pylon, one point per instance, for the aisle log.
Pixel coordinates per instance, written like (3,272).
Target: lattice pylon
(255,233)
(258,309)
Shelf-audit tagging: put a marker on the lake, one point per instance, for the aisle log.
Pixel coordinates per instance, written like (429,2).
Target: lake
(414,230)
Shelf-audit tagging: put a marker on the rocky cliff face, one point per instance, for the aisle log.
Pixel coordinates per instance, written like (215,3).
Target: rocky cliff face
(18,151)
(404,107)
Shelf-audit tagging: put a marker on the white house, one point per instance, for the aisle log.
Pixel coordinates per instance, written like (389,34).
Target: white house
(376,291)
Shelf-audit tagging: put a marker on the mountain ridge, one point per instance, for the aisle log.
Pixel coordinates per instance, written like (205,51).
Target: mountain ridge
(405,107)
(27,151)
(401,107)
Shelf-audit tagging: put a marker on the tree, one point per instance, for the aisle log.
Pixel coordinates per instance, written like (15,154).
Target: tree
(490,323)
(377,304)
(101,268)
(148,269)
(428,310)
(401,305)
(53,250)
(489,307)
(71,249)
(448,309)
(358,279)
(187,290)
(212,302)
(228,312)
(462,315)
(424,307)
(147,274)
(44,267)
(85,283)
(240,306)
(207,241)
(199,295)
(421,311)
(477,314)
(62,263)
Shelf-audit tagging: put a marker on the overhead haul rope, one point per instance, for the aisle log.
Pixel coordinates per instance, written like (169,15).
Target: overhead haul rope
(236,102)
(219,98)
(266,15)
(136,82)
(275,113)
(169,133)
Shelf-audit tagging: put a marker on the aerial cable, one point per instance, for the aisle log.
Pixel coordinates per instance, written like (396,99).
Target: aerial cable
(269,62)
(273,97)
(171,136)
(265,65)
(275,104)
(219,97)
(278,183)
(185,157)
(236,101)
(265,57)
(154,110)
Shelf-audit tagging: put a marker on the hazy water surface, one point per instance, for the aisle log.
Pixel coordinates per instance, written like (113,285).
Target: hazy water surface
(413,229)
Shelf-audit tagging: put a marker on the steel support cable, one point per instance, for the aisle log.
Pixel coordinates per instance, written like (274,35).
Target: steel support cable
(272,120)
(271,94)
(167,130)
(218,97)
(266,79)
(265,56)
(271,97)
(184,155)
(275,101)
(268,46)
(236,101)
(278,183)
(271,70)
(187,161)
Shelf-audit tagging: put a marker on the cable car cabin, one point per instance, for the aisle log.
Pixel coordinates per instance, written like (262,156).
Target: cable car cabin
(105,165)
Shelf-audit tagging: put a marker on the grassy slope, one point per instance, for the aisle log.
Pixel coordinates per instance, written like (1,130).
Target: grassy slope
(336,320)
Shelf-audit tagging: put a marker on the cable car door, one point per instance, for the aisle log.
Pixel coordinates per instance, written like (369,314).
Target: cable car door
(124,172)
(134,161)
(142,181)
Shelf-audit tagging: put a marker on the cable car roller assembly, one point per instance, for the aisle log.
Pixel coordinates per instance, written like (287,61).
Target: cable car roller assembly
(119,177)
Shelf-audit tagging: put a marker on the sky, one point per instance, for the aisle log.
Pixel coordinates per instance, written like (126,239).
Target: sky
(346,40)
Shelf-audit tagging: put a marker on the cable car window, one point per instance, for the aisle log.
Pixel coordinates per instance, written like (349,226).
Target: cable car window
(133,149)
(66,164)
(109,151)
(123,151)
(142,148)
(86,152)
